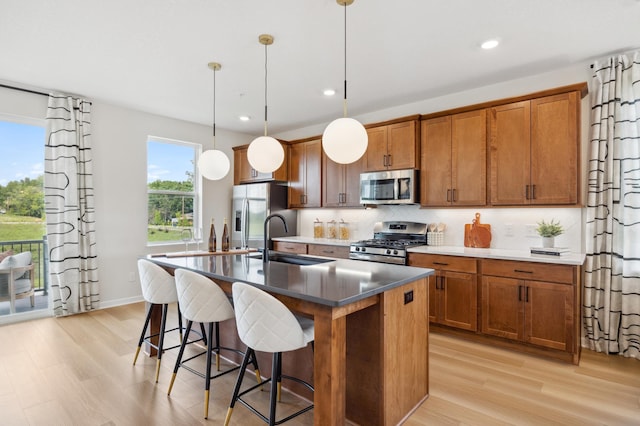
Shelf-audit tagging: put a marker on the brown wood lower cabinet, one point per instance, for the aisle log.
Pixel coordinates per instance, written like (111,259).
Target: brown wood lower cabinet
(533,303)
(328,250)
(528,306)
(287,247)
(453,291)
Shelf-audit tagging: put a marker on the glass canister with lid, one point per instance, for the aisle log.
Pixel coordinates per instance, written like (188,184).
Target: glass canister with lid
(343,230)
(318,229)
(332,229)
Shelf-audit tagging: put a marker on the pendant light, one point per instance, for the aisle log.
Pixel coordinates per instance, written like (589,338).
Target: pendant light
(345,140)
(214,164)
(265,154)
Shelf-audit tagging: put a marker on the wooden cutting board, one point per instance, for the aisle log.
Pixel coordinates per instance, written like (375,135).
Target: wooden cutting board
(477,234)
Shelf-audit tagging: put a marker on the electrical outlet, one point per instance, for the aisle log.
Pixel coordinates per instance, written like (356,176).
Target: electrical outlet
(508,229)
(132,277)
(531,230)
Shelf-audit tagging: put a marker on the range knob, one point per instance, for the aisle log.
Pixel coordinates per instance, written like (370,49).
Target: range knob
(363,249)
(395,252)
(388,251)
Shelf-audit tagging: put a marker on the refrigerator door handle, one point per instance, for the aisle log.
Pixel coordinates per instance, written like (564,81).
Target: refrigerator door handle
(244,234)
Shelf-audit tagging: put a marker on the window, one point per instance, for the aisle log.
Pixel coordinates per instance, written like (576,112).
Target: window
(22,215)
(173,190)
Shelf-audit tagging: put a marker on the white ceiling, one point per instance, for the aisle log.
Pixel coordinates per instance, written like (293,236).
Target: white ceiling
(152,55)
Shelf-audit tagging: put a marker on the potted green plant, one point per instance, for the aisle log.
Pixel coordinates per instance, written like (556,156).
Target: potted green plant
(548,231)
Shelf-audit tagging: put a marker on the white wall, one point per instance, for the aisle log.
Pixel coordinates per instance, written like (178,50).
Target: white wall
(119,138)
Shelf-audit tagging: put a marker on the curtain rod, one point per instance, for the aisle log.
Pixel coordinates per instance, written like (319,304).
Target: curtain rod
(624,51)
(24,90)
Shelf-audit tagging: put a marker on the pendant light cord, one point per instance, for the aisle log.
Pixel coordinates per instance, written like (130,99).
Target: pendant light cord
(214,109)
(265,90)
(344,104)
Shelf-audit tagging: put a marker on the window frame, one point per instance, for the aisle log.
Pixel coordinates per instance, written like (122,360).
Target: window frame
(197,186)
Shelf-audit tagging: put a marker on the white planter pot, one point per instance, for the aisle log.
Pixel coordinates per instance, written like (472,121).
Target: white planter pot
(547,242)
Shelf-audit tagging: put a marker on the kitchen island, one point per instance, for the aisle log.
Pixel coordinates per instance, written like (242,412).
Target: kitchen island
(370,359)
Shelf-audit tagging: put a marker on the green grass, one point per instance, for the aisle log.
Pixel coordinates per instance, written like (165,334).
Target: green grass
(161,234)
(19,228)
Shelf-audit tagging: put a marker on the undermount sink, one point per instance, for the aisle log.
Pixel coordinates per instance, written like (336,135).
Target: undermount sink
(291,259)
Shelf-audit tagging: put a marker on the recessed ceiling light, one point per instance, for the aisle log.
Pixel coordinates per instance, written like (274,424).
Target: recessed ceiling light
(244,118)
(490,44)
(329,92)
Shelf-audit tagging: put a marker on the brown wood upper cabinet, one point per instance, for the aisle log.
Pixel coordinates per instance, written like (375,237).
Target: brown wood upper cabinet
(244,173)
(453,165)
(534,146)
(305,174)
(341,182)
(393,147)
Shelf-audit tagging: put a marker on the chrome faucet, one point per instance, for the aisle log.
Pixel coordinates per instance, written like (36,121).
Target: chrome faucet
(265,253)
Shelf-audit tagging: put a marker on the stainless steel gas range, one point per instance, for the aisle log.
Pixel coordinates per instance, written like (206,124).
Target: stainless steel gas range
(390,242)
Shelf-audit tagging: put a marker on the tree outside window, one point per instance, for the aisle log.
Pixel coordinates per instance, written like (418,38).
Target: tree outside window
(173,192)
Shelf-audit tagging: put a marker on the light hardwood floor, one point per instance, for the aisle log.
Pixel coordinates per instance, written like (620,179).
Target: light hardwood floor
(78,371)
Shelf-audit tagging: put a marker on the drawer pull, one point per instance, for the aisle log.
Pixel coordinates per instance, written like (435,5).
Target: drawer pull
(440,263)
(522,271)
(328,251)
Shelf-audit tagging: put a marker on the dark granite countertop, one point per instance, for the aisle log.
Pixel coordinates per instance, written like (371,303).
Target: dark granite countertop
(334,283)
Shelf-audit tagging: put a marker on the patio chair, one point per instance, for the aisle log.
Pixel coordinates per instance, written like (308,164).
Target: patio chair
(16,279)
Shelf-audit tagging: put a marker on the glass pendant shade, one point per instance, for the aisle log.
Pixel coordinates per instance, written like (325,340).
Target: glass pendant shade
(345,140)
(213,164)
(265,154)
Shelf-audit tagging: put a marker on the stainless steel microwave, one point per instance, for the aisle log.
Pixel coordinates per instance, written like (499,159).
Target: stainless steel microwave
(389,187)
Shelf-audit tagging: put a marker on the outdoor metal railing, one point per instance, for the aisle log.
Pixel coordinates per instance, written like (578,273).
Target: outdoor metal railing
(39,255)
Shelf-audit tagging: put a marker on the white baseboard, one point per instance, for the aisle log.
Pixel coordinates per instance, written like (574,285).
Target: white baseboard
(120,302)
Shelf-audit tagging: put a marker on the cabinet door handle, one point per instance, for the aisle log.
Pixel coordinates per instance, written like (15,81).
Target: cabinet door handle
(384,160)
(533,192)
(526,294)
(389,162)
(526,192)
(519,293)
(448,195)
(454,195)
(522,271)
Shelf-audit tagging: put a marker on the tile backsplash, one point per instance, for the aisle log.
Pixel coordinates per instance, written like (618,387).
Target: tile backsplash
(510,227)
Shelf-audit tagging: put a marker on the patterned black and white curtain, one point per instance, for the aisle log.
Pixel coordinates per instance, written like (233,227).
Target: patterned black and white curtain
(612,272)
(69,205)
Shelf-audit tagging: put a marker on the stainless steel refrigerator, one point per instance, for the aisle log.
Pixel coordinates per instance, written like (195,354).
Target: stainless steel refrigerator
(251,204)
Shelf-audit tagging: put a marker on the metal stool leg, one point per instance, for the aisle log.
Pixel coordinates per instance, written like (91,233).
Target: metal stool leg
(236,390)
(207,376)
(144,330)
(183,345)
(275,385)
(163,324)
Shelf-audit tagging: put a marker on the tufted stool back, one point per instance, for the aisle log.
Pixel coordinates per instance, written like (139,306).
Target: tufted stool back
(158,286)
(266,324)
(201,299)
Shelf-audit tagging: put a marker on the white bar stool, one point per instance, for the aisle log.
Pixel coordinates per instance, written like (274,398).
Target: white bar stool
(203,301)
(158,288)
(265,324)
